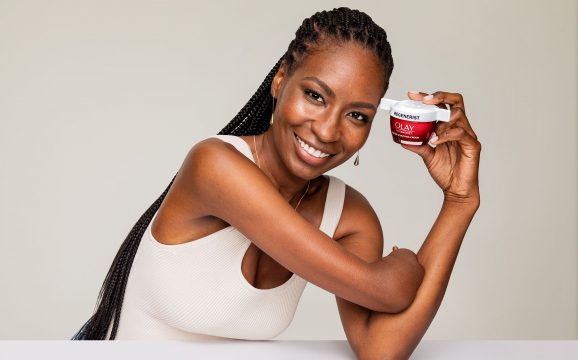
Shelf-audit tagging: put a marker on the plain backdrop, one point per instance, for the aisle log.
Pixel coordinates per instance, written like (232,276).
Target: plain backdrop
(101,100)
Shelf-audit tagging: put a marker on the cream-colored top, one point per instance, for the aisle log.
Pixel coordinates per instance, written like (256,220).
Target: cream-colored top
(196,290)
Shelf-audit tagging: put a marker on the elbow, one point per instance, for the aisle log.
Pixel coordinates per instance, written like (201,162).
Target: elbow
(383,351)
(381,356)
(400,291)
(397,301)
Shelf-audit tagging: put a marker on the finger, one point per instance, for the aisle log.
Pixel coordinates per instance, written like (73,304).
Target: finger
(432,139)
(416,95)
(394,248)
(456,102)
(425,151)
(456,106)
(459,134)
(439,97)
(455,114)
(460,119)
(457,118)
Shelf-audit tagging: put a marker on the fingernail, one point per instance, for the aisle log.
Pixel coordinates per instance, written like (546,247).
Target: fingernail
(414,92)
(432,140)
(429,97)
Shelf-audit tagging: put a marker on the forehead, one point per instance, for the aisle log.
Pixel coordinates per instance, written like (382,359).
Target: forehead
(349,70)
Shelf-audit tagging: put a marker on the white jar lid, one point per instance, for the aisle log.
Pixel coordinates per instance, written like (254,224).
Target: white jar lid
(414,110)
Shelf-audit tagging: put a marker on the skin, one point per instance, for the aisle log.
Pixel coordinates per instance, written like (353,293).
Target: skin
(453,164)
(385,303)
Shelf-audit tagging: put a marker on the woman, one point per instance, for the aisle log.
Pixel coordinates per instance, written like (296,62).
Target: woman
(262,178)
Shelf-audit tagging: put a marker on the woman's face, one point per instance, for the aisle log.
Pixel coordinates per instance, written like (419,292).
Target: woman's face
(328,103)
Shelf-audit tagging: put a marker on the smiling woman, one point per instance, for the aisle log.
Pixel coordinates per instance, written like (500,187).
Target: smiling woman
(328,103)
(250,218)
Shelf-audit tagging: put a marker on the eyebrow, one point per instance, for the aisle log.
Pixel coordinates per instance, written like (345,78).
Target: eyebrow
(332,94)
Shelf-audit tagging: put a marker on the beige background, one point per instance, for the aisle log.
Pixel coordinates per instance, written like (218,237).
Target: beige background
(101,100)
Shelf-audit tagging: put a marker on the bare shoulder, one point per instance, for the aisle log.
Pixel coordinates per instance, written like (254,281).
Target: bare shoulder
(359,228)
(213,146)
(205,160)
(181,200)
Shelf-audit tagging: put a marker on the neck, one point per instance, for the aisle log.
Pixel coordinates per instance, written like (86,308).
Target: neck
(289,185)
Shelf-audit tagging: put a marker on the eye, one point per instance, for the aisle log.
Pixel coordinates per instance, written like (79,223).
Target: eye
(360,116)
(314,95)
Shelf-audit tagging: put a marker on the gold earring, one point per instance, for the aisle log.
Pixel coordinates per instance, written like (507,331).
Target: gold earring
(272,110)
(356,162)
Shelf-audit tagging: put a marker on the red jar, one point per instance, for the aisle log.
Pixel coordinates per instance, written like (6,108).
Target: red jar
(412,122)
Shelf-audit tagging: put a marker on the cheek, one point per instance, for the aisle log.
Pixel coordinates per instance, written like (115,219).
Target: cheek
(296,109)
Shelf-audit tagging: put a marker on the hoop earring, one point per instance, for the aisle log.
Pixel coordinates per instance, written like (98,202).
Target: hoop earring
(356,162)
(272,109)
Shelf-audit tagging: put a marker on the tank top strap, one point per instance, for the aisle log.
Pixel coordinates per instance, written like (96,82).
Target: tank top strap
(333,206)
(238,143)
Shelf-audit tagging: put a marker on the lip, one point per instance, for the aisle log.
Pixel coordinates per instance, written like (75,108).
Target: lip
(304,155)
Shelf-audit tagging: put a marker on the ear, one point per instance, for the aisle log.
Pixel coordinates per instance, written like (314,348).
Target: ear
(278,80)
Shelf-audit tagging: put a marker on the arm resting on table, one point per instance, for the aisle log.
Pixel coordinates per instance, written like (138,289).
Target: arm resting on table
(399,334)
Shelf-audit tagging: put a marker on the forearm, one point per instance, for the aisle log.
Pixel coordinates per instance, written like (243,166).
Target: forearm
(440,249)
(400,333)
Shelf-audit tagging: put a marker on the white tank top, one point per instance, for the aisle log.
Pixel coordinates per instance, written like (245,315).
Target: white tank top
(196,290)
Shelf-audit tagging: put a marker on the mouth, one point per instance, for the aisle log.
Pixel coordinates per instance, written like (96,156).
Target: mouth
(310,154)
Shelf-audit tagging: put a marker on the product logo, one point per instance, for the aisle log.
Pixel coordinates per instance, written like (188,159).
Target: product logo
(406,116)
(404,127)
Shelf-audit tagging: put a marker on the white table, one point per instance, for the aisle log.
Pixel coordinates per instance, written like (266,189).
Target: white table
(279,350)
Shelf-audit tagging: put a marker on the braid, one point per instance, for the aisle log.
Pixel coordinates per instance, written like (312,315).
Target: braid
(253,117)
(111,294)
(338,25)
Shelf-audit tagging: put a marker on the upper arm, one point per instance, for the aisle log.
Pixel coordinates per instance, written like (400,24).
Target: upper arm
(229,186)
(361,235)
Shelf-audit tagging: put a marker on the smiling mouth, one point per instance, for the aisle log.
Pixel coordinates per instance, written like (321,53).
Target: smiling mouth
(310,149)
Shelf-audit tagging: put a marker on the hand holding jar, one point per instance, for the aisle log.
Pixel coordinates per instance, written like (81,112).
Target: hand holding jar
(453,154)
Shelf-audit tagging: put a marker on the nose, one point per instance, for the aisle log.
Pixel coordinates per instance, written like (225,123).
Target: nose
(326,127)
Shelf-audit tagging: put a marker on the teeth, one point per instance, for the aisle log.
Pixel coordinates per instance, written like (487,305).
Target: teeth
(311,150)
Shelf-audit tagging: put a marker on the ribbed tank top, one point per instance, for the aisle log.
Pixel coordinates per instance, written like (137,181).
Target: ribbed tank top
(196,290)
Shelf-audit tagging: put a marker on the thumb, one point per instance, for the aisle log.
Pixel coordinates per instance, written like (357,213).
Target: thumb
(425,151)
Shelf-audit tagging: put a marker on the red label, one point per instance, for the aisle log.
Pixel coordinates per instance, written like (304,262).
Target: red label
(412,131)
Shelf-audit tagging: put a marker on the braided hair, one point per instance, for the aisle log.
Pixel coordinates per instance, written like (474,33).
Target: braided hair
(337,26)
